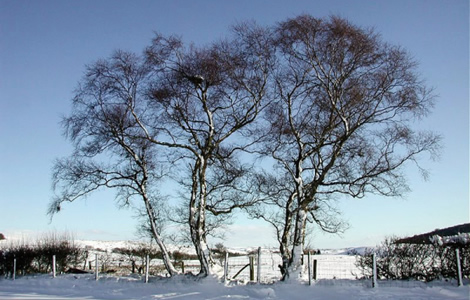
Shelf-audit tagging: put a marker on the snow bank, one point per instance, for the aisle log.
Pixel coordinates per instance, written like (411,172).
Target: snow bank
(110,287)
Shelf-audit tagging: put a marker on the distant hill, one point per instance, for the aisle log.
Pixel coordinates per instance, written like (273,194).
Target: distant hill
(425,238)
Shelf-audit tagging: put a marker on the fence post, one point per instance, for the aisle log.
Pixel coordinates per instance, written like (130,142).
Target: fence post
(96,266)
(147,263)
(226,267)
(14,269)
(252,268)
(374,270)
(258,279)
(315,268)
(309,262)
(53,266)
(459,268)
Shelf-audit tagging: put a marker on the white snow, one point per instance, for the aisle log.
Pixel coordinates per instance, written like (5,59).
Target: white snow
(130,288)
(461,238)
(110,245)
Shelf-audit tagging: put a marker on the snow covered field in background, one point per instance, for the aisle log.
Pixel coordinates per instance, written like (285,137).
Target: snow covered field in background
(332,263)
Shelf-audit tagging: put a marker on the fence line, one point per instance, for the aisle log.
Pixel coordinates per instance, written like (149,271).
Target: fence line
(264,263)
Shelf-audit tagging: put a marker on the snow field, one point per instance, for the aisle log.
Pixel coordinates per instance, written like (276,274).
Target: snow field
(75,287)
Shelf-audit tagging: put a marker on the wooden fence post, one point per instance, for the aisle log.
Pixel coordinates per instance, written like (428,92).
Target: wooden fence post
(374,270)
(53,266)
(315,268)
(258,279)
(309,262)
(96,267)
(13,275)
(252,268)
(226,267)
(459,268)
(147,263)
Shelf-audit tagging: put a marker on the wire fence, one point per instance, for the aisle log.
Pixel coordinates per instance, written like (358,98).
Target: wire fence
(323,267)
(262,266)
(335,267)
(239,267)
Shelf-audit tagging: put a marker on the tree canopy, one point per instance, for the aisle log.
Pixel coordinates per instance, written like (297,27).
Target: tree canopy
(326,105)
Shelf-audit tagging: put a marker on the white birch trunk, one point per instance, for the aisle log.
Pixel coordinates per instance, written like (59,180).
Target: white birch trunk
(206,260)
(200,245)
(166,257)
(197,217)
(295,266)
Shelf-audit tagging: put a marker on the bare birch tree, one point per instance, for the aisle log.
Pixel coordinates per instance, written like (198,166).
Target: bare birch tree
(188,106)
(205,98)
(340,124)
(110,149)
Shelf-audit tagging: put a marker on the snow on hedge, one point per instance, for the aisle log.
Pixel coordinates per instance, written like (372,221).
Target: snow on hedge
(459,239)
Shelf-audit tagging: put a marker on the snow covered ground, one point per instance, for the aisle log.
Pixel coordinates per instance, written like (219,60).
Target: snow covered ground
(333,263)
(130,288)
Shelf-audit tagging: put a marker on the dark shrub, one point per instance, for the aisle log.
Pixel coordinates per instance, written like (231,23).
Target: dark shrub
(424,262)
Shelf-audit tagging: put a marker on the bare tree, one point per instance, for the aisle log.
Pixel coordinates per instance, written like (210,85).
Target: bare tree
(339,124)
(189,104)
(205,99)
(110,149)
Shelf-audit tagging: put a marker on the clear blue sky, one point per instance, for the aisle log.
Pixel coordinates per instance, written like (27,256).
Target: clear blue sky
(44,46)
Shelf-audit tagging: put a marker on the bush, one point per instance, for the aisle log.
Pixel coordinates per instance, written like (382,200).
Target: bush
(37,258)
(425,262)
(219,250)
(178,256)
(63,247)
(24,255)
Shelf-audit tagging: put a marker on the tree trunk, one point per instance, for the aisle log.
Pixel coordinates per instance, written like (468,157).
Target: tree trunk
(295,262)
(294,270)
(292,256)
(285,238)
(198,238)
(197,217)
(203,253)
(166,257)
